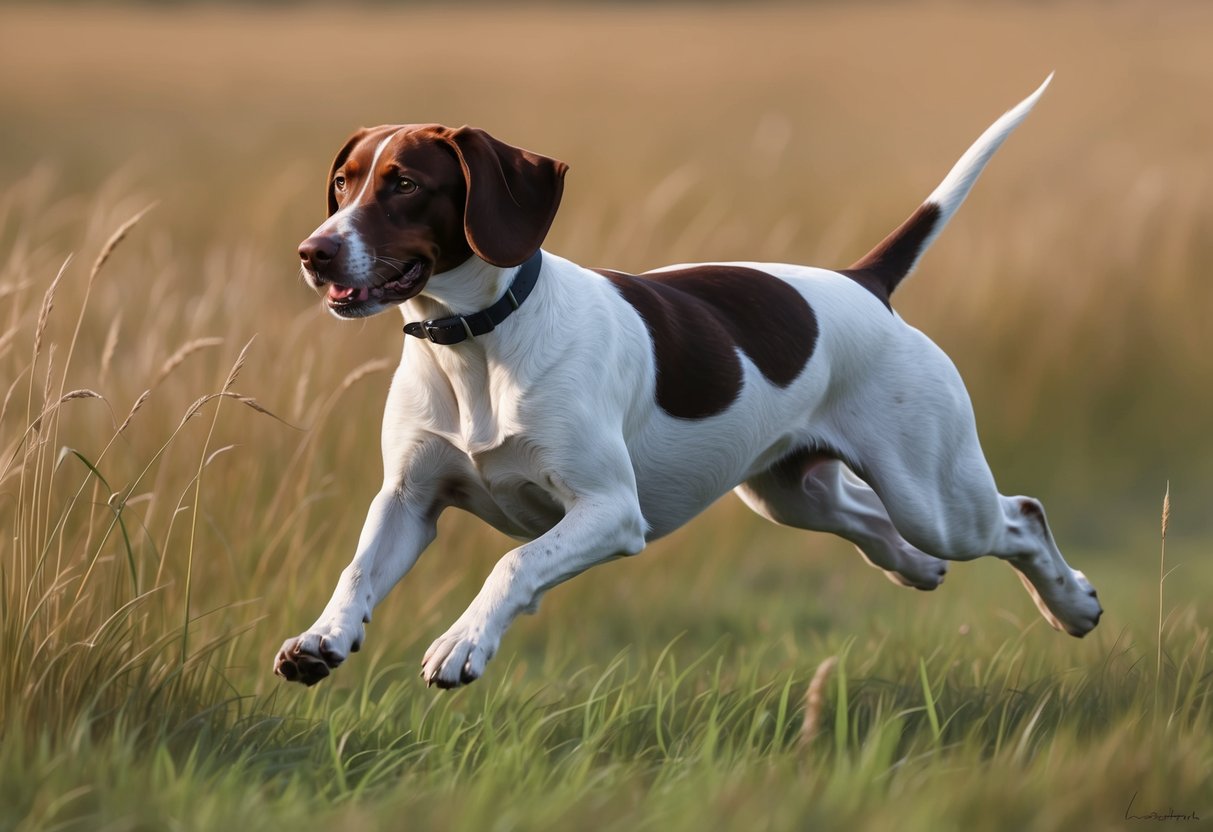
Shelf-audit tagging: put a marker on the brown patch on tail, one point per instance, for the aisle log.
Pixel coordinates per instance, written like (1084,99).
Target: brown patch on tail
(881,269)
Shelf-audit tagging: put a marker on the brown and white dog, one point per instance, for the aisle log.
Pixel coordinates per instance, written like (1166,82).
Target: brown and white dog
(589,412)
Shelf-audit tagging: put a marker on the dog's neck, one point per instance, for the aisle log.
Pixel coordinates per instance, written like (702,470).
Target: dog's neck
(469,287)
(479,372)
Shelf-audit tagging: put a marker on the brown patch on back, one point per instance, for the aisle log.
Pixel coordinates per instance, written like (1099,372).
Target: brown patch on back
(699,317)
(881,269)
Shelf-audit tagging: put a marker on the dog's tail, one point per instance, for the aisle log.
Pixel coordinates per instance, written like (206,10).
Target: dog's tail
(885,266)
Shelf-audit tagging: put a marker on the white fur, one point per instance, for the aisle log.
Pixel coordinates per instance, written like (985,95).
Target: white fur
(956,185)
(548,430)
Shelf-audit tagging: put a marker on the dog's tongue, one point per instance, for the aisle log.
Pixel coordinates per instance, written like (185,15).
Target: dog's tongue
(339,292)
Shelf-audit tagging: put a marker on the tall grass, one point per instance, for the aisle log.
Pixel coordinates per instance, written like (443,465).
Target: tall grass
(1162,573)
(187,445)
(86,644)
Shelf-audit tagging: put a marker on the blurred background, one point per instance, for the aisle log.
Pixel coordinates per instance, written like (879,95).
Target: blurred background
(1073,289)
(160,543)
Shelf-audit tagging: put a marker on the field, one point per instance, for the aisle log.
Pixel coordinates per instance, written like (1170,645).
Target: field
(188,443)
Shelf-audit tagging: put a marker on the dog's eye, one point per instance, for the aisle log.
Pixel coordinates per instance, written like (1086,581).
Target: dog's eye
(339,182)
(405,186)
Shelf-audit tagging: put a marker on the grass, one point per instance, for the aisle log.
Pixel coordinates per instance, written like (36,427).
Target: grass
(187,445)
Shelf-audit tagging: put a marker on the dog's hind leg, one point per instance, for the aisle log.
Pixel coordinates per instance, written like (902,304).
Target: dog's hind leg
(808,490)
(918,449)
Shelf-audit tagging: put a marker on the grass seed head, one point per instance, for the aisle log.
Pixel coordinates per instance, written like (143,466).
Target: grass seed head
(814,701)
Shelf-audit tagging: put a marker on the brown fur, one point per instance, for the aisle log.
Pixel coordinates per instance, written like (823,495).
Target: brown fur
(699,317)
(883,268)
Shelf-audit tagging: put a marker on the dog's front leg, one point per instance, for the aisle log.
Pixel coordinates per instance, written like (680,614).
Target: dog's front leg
(595,529)
(399,526)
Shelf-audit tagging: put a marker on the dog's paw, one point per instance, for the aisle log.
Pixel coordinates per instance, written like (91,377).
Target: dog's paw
(906,566)
(922,572)
(457,658)
(1068,602)
(310,657)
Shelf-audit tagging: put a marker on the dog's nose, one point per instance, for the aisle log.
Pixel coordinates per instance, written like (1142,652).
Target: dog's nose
(317,252)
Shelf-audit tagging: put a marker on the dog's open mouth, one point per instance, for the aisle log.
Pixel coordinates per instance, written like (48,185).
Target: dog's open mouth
(345,299)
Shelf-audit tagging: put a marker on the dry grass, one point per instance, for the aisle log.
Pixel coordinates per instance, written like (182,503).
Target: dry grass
(775,133)
(151,562)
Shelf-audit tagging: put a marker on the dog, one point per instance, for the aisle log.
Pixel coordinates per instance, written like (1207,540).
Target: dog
(588,412)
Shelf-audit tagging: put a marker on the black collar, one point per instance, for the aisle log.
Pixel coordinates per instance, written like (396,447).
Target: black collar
(458,328)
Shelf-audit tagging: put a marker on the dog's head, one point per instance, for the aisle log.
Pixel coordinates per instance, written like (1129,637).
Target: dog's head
(409,202)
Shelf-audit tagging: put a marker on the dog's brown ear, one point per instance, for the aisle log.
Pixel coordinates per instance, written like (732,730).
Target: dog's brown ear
(342,155)
(512,196)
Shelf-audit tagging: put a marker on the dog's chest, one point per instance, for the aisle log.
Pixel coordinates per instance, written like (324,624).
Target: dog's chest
(508,488)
